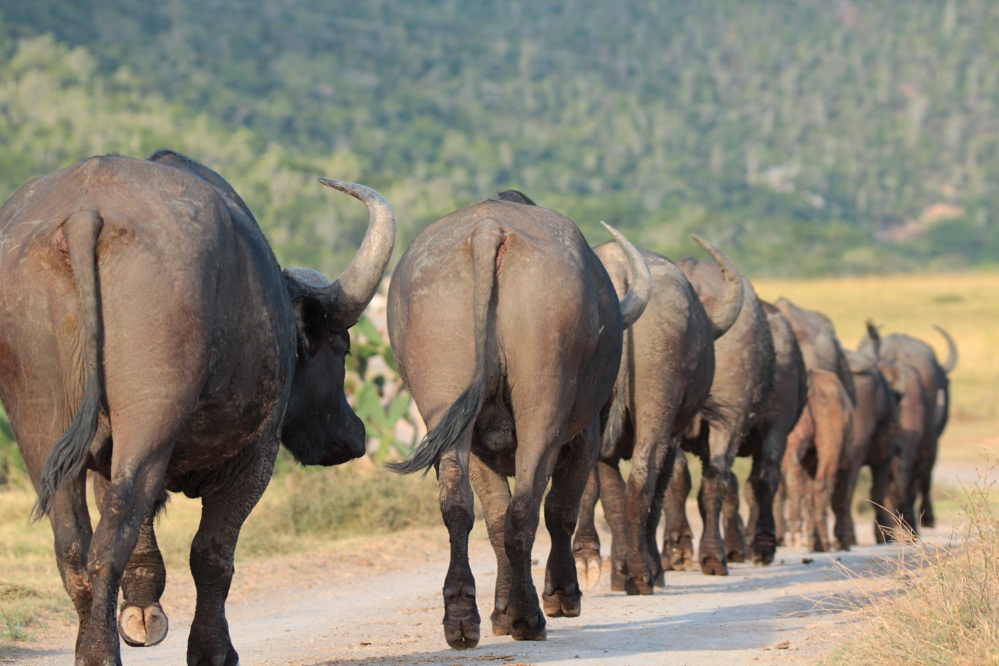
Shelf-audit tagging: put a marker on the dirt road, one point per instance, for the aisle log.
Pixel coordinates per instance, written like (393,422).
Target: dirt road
(378,601)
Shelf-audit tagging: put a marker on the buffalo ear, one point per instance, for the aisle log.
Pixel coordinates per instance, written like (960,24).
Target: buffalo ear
(311,319)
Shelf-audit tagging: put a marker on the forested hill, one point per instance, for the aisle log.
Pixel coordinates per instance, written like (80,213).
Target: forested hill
(809,136)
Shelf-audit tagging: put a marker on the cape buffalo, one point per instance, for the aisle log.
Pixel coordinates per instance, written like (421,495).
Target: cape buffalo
(147,333)
(936,388)
(667,366)
(820,347)
(906,367)
(740,392)
(507,330)
(815,454)
(875,429)
(766,442)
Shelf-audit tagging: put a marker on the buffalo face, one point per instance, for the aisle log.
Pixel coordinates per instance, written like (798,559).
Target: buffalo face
(320,428)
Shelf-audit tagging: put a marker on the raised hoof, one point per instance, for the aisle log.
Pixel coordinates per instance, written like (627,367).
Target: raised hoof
(560,604)
(143,627)
(464,636)
(588,565)
(618,580)
(735,555)
(661,579)
(712,567)
(531,628)
(927,521)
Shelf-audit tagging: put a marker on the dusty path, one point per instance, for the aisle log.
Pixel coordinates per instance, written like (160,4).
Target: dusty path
(378,601)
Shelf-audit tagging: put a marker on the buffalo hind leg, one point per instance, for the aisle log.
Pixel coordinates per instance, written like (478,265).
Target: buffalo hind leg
(493,490)
(656,508)
(461,615)
(224,508)
(70,520)
(586,543)
(136,483)
(735,538)
(678,540)
(141,621)
(761,491)
(562,596)
(884,519)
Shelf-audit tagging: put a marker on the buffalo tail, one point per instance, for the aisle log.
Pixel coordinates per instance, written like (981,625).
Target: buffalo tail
(485,244)
(69,454)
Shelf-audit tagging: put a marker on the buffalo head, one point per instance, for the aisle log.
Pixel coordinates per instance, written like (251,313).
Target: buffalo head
(319,426)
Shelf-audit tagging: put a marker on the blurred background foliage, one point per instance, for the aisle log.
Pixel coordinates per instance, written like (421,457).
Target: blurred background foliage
(807,137)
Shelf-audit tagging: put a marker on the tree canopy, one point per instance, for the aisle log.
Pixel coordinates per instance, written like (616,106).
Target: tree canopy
(804,138)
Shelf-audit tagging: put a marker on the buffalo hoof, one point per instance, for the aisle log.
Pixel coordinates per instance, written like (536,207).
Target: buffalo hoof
(208,650)
(661,578)
(735,555)
(463,636)
(531,628)
(143,627)
(763,559)
(588,563)
(711,566)
(501,623)
(560,604)
(618,580)
(927,520)
(643,585)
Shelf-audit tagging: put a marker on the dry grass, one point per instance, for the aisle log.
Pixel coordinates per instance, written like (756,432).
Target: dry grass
(966,304)
(943,605)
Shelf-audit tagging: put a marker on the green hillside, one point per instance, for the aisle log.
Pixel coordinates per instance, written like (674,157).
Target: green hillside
(806,137)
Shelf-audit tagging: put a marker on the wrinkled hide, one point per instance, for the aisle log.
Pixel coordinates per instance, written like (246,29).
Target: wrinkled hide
(508,331)
(148,334)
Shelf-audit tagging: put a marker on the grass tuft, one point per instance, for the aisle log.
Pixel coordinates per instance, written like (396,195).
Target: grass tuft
(943,604)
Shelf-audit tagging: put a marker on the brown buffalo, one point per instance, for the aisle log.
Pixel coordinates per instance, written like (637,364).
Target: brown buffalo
(508,331)
(148,334)
(814,455)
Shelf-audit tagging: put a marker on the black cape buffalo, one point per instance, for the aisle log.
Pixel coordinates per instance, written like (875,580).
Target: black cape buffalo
(147,333)
(507,330)
(936,393)
(667,366)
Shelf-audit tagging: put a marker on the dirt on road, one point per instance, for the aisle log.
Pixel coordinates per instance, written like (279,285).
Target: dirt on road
(378,601)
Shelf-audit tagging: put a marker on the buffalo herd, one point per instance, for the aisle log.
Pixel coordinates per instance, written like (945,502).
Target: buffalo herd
(149,337)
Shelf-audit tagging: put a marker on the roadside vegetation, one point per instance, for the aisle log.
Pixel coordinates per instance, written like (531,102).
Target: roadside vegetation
(943,604)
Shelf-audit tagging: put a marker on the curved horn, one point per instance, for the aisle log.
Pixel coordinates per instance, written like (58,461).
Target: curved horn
(634,302)
(347,297)
(728,310)
(951,350)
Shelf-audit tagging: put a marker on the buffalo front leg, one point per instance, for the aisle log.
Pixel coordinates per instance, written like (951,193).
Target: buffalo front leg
(461,615)
(224,508)
(678,540)
(493,490)
(612,498)
(142,621)
(562,596)
(586,543)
